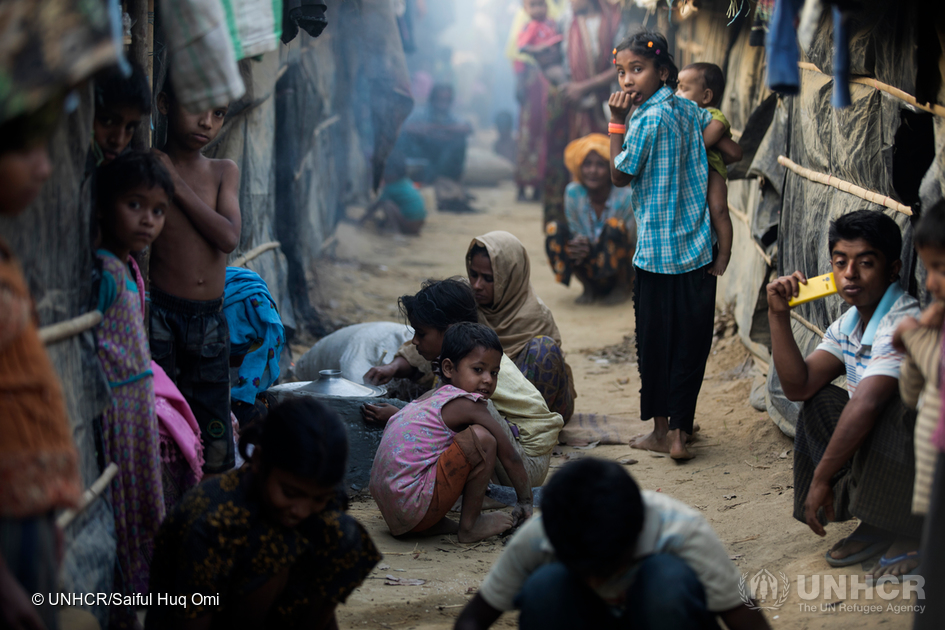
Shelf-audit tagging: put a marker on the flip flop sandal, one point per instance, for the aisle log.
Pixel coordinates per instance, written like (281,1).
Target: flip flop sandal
(878,544)
(887,562)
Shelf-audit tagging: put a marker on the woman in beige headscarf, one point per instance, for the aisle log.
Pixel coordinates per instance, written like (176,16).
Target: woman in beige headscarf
(500,275)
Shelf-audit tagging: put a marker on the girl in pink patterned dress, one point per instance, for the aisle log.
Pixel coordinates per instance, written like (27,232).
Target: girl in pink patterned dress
(133,194)
(445,446)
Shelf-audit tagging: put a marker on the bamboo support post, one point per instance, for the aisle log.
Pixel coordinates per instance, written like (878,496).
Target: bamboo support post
(55,333)
(738,214)
(806,324)
(254,253)
(139,53)
(89,496)
(322,126)
(847,187)
(763,253)
(934,108)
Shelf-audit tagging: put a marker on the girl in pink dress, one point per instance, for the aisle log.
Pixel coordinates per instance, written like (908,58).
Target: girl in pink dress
(445,446)
(133,193)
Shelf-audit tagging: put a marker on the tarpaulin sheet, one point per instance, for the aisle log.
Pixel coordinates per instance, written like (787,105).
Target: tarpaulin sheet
(855,144)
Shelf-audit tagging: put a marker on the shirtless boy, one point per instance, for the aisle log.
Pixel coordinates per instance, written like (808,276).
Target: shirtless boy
(189,335)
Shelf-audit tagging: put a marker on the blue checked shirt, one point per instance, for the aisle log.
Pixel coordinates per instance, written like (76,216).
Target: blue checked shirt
(665,153)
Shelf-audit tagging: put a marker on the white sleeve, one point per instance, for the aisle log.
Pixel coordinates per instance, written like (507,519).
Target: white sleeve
(704,553)
(831,341)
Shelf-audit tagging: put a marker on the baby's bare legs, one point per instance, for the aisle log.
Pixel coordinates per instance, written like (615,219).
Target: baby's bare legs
(473,524)
(721,221)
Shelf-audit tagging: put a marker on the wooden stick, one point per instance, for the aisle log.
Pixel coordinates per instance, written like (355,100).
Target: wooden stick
(934,108)
(322,126)
(89,496)
(71,327)
(741,216)
(763,253)
(806,324)
(753,466)
(254,253)
(847,187)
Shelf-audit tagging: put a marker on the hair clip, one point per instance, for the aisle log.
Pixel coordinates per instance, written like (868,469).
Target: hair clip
(649,44)
(615,52)
(657,51)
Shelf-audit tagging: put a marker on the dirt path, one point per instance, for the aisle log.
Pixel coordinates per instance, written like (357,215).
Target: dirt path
(741,479)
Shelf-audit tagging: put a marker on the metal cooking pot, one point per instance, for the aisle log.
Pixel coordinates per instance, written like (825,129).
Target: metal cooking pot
(330,383)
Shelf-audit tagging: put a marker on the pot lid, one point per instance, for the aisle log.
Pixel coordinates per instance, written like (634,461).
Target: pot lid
(331,383)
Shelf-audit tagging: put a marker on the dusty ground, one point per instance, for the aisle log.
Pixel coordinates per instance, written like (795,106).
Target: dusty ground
(740,452)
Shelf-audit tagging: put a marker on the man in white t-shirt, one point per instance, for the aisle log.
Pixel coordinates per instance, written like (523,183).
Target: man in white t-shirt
(604,555)
(853,448)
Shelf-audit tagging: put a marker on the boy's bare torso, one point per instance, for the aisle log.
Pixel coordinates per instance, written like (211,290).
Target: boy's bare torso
(183,262)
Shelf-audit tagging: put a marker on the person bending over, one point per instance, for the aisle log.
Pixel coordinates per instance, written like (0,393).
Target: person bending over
(605,555)
(445,446)
(399,202)
(271,541)
(516,403)
(853,448)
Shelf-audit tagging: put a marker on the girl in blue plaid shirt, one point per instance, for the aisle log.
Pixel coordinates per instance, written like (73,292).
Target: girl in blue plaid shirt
(661,156)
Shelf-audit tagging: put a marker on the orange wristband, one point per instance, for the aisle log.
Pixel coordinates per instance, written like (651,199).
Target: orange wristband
(615,128)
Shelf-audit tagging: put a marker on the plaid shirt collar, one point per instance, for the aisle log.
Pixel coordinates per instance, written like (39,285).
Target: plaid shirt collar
(660,96)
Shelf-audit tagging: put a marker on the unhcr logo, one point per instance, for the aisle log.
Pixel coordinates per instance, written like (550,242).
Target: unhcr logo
(839,593)
(762,588)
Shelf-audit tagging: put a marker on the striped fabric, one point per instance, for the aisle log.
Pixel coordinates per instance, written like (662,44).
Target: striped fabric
(918,386)
(201,54)
(665,153)
(870,352)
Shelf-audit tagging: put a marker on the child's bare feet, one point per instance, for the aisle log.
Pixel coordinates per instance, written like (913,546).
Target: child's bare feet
(444,526)
(486,525)
(662,440)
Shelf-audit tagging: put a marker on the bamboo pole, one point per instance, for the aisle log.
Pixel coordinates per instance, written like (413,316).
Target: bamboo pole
(847,187)
(254,253)
(934,108)
(763,253)
(741,216)
(89,496)
(55,333)
(806,324)
(138,9)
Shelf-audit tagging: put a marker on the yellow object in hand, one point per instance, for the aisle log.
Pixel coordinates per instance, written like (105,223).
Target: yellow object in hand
(816,288)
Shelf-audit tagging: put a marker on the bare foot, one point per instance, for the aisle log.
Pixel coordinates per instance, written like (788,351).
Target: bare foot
(486,525)
(488,503)
(443,526)
(651,442)
(677,449)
